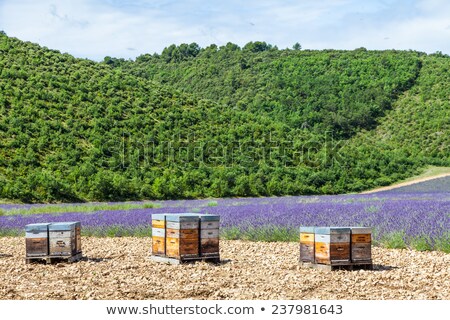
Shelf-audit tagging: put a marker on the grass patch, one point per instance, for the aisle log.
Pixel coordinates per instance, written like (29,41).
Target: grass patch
(51,209)
(232,233)
(443,243)
(430,171)
(212,204)
(394,240)
(421,243)
(12,232)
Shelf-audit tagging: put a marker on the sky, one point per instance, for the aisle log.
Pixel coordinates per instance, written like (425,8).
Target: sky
(126,29)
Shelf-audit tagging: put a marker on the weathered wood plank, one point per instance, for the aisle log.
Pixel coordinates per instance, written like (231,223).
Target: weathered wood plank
(307,253)
(361,238)
(178,247)
(182,233)
(159,224)
(306,237)
(361,251)
(36,246)
(52,259)
(158,245)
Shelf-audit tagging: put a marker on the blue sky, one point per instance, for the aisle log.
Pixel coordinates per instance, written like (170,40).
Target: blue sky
(94,28)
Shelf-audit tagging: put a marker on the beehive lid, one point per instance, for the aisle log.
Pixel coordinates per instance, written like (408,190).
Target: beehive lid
(331,230)
(159,216)
(35,227)
(209,217)
(63,226)
(307,229)
(361,230)
(180,217)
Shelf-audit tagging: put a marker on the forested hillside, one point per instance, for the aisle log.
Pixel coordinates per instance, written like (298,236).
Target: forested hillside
(216,122)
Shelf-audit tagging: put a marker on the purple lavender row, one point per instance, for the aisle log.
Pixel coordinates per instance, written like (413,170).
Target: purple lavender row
(414,214)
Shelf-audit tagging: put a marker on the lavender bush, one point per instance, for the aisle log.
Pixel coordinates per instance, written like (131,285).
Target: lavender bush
(418,219)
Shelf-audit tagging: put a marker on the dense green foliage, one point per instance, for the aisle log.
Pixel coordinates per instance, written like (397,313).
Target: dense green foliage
(338,91)
(216,122)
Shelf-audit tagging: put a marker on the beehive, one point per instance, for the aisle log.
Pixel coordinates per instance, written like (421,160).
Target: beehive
(307,244)
(209,235)
(361,244)
(64,238)
(36,239)
(159,234)
(332,245)
(182,236)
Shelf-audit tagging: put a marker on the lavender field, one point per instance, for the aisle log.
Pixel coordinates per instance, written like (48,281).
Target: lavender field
(417,216)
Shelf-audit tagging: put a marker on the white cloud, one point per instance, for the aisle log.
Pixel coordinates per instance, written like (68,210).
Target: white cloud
(94,29)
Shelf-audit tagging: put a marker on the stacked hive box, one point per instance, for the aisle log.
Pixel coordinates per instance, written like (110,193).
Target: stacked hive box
(159,234)
(307,244)
(65,238)
(53,241)
(185,236)
(36,239)
(182,237)
(209,235)
(361,251)
(332,245)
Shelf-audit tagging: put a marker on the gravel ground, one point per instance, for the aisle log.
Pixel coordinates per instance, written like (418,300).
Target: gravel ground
(119,268)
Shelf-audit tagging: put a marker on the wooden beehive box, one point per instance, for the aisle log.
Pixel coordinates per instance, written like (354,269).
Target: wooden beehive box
(159,234)
(361,244)
(182,236)
(36,239)
(65,238)
(332,245)
(307,244)
(209,235)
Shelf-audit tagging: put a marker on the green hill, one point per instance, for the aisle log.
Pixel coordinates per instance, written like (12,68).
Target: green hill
(216,122)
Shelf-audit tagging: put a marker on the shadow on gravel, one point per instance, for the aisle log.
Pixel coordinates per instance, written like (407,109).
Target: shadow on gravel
(96,260)
(222,262)
(5,255)
(380,267)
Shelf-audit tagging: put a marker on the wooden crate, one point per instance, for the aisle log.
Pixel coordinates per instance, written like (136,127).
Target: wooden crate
(158,224)
(36,239)
(159,220)
(63,239)
(159,234)
(182,233)
(158,245)
(182,225)
(209,235)
(332,245)
(307,244)
(209,247)
(187,237)
(158,241)
(182,236)
(78,237)
(181,248)
(361,244)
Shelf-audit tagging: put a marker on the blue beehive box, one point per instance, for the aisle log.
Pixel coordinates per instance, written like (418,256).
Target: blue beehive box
(307,229)
(181,217)
(331,230)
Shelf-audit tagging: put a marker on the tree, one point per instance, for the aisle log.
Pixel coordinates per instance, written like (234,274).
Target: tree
(297,46)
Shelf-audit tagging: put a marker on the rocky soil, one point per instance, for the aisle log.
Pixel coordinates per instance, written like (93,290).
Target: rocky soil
(120,268)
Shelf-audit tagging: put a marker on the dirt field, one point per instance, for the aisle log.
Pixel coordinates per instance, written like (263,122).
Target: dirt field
(406,183)
(119,268)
